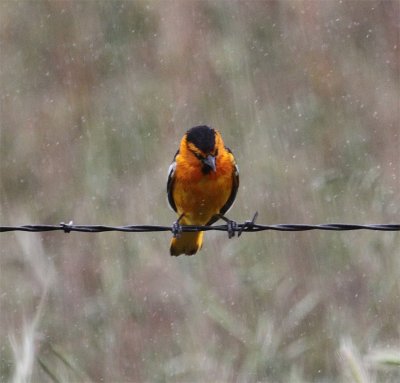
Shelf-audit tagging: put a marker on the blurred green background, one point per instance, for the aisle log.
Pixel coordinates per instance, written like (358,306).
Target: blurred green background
(95,97)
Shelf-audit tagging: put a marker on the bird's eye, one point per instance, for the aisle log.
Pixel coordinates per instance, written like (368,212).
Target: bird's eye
(198,156)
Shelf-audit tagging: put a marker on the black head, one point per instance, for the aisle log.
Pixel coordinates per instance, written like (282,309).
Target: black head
(202,137)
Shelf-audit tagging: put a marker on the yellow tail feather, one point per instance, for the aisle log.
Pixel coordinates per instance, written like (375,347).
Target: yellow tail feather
(187,243)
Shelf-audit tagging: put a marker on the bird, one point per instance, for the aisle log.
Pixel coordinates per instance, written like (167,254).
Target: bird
(203,181)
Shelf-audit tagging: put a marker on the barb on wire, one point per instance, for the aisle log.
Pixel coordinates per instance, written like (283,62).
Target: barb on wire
(246,227)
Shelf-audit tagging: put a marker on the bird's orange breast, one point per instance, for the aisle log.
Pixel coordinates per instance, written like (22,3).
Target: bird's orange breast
(200,196)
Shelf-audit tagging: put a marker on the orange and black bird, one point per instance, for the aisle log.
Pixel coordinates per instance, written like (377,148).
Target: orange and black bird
(203,180)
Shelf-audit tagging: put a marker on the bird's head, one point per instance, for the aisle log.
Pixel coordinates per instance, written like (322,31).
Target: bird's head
(202,142)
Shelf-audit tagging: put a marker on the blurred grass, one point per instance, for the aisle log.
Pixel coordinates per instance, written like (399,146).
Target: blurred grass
(95,97)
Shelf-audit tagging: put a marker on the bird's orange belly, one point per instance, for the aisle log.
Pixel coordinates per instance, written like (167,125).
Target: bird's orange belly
(200,200)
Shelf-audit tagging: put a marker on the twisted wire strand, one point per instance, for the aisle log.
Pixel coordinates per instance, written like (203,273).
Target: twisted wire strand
(245,227)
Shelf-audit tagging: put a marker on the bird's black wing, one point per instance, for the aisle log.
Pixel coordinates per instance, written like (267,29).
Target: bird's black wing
(231,199)
(170,183)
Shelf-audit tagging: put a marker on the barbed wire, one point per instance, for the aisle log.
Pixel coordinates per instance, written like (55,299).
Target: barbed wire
(230,227)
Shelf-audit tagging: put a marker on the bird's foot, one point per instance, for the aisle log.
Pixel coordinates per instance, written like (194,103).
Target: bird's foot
(177,227)
(231,226)
(248,224)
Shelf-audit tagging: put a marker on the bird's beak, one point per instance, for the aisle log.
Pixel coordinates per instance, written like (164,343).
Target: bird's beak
(210,162)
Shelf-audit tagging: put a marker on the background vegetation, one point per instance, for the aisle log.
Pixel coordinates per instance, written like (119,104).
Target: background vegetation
(95,97)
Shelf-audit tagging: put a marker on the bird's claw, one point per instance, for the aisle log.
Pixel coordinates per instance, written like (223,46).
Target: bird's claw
(232,226)
(248,224)
(176,229)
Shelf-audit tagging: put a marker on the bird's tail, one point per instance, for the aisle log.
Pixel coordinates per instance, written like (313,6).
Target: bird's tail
(187,243)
